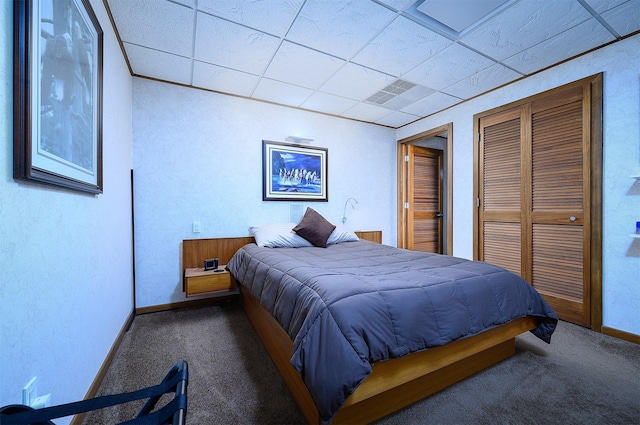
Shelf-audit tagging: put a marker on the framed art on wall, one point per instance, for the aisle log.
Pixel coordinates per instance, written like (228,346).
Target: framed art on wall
(58,94)
(291,172)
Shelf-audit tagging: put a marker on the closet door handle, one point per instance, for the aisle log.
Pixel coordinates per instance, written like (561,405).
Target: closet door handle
(572,219)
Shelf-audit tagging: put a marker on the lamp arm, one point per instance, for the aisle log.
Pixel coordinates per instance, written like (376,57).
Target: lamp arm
(344,211)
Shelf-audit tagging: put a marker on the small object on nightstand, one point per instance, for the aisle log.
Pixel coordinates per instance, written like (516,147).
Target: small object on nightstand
(211,264)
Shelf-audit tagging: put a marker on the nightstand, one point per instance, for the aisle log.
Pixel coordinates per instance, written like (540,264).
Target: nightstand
(198,282)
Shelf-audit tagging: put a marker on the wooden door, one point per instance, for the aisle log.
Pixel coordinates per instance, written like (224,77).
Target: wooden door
(439,139)
(500,199)
(536,191)
(424,214)
(559,203)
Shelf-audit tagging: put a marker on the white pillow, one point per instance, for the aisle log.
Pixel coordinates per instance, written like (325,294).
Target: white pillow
(342,234)
(277,236)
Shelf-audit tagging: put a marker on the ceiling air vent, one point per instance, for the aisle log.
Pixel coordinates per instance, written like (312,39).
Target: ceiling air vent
(391,91)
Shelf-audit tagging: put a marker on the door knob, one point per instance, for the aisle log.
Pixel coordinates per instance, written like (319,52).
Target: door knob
(572,219)
(439,214)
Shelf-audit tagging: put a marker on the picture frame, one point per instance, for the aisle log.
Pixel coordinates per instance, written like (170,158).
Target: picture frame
(291,172)
(58,94)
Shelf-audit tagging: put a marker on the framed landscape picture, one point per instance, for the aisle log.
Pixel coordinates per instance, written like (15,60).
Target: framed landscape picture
(293,172)
(58,94)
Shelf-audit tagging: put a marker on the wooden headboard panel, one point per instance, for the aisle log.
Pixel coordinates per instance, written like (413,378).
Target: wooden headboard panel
(195,251)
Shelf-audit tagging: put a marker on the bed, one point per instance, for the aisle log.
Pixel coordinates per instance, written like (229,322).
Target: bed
(314,309)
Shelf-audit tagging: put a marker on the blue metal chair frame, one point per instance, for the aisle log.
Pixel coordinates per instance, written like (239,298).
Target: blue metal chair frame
(174,412)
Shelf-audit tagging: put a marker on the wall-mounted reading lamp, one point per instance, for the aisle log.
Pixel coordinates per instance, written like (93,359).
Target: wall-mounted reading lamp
(344,212)
(298,139)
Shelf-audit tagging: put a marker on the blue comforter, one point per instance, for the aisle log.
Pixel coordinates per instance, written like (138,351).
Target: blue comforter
(355,303)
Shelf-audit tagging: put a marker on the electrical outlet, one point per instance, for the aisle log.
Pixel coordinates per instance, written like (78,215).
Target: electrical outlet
(42,401)
(29,392)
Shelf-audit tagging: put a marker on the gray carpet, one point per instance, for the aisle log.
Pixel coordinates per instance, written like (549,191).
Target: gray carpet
(581,378)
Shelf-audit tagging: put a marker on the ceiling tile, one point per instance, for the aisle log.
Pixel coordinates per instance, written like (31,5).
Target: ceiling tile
(397,119)
(223,79)
(483,81)
(356,82)
(431,104)
(158,25)
(160,65)
(301,66)
(570,43)
(233,46)
(341,34)
(462,17)
(523,25)
(333,56)
(328,103)
(601,6)
(366,112)
(190,3)
(625,18)
(451,65)
(286,94)
(271,16)
(400,47)
(408,97)
(398,5)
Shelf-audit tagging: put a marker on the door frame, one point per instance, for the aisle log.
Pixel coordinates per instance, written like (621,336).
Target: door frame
(402,197)
(596,138)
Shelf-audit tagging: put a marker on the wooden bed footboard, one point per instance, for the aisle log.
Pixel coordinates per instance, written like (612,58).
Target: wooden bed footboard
(395,383)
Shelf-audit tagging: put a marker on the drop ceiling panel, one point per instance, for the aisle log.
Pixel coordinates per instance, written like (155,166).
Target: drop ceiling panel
(271,16)
(625,18)
(452,17)
(400,47)
(398,119)
(190,3)
(331,56)
(524,25)
(223,79)
(461,63)
(431,104)
(485,80)
(319,27)
(356,82)
(302,66)
(366,112)
(163,26)
(601,6)
(233,46)
(160,65)
(397,5)
(328,103)
(578,39)
(410,96)
(278,92)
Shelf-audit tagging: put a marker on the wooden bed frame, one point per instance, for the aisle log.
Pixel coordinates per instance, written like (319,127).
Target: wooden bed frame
(393,384)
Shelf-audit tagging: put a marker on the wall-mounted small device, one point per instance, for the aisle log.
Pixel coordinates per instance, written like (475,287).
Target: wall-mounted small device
(211,264)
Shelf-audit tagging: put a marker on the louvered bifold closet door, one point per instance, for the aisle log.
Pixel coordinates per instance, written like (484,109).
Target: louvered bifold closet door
(539,192)
(560,202)
(425,210)
(500,192)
